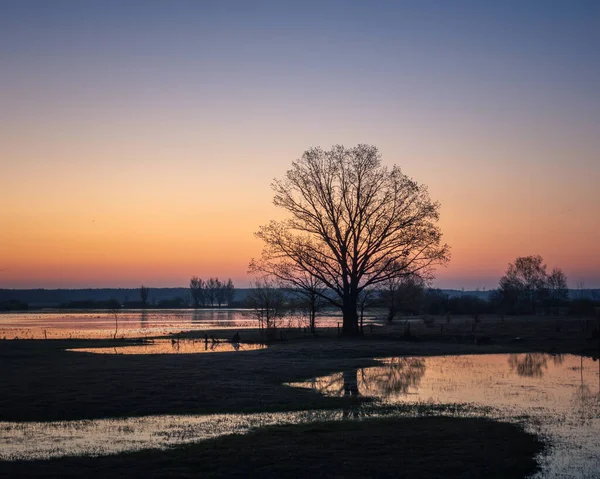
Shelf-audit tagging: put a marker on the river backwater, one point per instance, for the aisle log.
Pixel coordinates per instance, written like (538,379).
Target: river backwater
(129,323)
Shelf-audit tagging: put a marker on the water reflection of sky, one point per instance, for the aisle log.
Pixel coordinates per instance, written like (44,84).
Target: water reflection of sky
(559,394)
(173,346)
(136,323)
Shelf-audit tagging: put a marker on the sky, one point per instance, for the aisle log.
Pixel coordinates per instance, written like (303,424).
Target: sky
(138,140)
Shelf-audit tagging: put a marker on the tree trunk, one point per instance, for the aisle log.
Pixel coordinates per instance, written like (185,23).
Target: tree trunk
(391,314)
(351,383)
(350,325)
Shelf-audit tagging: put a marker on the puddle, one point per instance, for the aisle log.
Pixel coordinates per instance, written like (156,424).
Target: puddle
(172,346)
(557,397)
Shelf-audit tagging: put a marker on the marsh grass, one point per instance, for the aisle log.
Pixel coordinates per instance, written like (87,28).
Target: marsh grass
(427,447)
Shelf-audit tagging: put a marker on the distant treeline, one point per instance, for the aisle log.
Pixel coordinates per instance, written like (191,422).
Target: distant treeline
(437,302)
(409,302)
(13,305)
(53,298)
(172,303)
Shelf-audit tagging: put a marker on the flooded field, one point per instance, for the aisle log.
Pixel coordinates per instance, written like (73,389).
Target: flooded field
(134,322)
(40,440)
(557,397)
(172,346)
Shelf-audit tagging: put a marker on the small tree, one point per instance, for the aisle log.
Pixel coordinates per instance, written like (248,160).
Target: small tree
(197,290)
(558,292)
(403,294)
(268,304)
(144,295)
(312,293)
(365,298)
(221,293)
(310,289)
(212,285)
(114,309)
(229,292)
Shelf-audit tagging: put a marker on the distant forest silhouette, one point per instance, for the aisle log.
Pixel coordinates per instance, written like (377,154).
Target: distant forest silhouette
(430,301)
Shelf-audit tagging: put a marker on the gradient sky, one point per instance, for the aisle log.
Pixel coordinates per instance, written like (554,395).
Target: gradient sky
(138,140)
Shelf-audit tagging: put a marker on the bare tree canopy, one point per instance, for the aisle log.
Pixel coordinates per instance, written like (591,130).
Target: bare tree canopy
(144,291)
(526,285)
(212,291)
(353,224)
(557,287)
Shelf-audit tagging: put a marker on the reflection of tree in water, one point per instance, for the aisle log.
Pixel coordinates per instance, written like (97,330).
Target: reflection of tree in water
(394,377)
(144,319)
(530,365)
(585,399)
(558,359)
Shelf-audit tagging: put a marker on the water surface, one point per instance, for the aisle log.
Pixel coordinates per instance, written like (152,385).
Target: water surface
(58,324)
(173,346)
(556,396)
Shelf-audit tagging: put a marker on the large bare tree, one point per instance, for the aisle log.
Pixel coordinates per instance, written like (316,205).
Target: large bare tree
(353,224)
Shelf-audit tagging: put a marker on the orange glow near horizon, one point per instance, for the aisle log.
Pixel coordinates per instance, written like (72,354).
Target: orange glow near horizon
(162,233)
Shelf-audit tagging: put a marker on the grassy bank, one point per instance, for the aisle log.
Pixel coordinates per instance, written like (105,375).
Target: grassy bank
(435,447)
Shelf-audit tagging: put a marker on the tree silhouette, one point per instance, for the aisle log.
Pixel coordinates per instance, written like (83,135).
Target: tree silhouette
(268,304)
(524,284)
(353,224)
(144,291)
(530,365)
(197,290)
(402,294)
(310,289)
(558,291)
(229,292)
